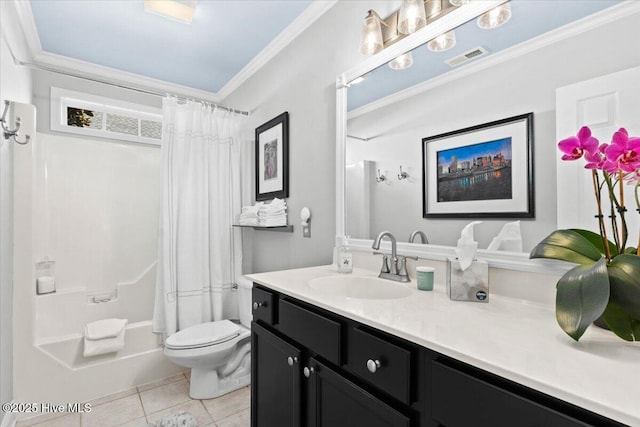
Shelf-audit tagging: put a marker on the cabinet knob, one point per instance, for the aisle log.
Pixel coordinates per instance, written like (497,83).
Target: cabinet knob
(292,360)
(373,365)
(308,371)
(257,305)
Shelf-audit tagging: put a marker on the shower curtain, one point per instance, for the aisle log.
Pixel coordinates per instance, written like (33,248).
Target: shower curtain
(200,194)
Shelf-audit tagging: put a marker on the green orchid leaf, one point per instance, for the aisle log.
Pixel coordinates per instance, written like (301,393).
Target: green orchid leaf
(621,323)
(596,240)
(567,245)
(631,251)
(624,276)
(581,297)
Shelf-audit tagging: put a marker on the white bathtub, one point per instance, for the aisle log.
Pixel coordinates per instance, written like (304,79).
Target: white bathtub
(139,342)
(64,375)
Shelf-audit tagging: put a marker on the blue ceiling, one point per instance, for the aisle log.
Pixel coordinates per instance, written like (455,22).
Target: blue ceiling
(206,54)
(530,18)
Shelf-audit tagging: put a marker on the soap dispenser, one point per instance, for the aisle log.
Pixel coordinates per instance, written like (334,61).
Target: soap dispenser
(344,257)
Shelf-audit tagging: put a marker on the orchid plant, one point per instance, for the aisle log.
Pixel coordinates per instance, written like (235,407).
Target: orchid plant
(605,285)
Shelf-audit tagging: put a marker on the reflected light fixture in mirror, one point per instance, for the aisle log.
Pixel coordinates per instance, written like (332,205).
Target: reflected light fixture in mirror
(371,40)
(495,17)
(459,2)
(412,16)
(443,42)
(402,62)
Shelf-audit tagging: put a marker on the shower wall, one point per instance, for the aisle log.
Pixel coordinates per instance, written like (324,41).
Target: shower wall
(96,211)
(90,205)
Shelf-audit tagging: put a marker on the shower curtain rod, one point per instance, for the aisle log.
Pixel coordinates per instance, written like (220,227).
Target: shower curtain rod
(123,86)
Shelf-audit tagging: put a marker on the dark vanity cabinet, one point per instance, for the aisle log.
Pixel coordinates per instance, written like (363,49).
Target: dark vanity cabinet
(313,368)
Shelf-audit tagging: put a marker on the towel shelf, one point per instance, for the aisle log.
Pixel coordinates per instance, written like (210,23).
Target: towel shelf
(281,228)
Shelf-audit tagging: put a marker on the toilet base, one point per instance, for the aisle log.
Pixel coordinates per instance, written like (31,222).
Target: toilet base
(206,384)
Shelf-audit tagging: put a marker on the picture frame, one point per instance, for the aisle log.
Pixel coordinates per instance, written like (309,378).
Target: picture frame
(483,171)
(272,158)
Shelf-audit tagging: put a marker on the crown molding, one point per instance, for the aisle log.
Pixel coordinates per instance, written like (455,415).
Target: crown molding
(32,54)
(289,34)
(578,27)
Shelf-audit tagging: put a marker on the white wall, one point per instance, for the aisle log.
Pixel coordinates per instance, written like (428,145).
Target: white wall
(518,86)
(15,85)
(301,80)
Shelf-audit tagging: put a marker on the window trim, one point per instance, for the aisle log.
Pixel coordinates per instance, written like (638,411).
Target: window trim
(63,98)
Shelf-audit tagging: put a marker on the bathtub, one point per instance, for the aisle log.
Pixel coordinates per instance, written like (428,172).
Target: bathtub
(62,372)
(139,342)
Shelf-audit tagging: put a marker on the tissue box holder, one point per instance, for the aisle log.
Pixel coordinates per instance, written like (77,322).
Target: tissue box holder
(469,285)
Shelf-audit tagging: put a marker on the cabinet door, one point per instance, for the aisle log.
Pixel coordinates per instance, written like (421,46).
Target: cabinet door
(334,401)
(275,380)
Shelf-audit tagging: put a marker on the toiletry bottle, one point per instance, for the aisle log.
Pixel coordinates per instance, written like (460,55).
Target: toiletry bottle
(344,256)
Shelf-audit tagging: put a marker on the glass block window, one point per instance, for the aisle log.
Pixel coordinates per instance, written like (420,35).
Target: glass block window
(122,124)
(151,129)
(80,113)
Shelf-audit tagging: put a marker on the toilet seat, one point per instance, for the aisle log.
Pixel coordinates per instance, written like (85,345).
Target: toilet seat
(203,335)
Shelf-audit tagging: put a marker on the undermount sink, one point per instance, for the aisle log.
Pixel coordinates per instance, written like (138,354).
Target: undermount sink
(360,287)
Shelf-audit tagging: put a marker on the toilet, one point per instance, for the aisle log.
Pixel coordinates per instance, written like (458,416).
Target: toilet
(218,353)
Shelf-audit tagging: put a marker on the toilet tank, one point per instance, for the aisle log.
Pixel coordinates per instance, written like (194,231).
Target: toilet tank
(244,300)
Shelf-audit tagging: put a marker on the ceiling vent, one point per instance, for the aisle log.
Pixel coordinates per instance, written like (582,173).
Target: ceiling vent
(467,56)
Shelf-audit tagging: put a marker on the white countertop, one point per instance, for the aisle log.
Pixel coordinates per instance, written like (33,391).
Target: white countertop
(515,339)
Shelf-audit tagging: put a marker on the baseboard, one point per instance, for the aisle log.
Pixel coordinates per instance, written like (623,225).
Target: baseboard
(9,419)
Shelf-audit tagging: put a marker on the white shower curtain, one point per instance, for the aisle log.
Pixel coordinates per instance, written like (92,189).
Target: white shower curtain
(200,194)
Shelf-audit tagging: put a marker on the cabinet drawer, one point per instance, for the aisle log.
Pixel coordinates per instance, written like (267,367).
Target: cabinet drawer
(263,306)
(312,330)
(460,399)
(390,363)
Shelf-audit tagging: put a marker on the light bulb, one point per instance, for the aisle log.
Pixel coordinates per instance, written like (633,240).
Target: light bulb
(401,62)
(411,16)
(443,42)
(371,40)
(495,17)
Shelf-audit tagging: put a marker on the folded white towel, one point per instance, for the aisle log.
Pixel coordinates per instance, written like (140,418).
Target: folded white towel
(106,328)
(103,346)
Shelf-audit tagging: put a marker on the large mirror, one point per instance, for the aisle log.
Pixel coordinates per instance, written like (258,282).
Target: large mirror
(496,74)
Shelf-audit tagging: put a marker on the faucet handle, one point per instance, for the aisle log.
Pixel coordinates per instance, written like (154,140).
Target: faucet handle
(385,264)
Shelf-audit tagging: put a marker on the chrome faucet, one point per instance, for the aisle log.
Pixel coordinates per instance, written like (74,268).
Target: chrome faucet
(397,268)
(423,237)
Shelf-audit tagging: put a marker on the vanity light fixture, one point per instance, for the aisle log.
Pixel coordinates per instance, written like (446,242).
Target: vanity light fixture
(412,16)
(371,40)
(443,42)
(402,62)
(178,10)
(495,17)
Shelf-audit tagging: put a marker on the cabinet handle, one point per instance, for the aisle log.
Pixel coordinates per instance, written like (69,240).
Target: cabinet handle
(292,360)
(373,365)
(308,371)
(257,305)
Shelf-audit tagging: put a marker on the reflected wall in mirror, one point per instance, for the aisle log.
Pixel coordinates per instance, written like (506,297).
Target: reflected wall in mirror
(546,45)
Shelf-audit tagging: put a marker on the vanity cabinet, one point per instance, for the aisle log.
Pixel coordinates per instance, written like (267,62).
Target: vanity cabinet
(314,368)
(300,374)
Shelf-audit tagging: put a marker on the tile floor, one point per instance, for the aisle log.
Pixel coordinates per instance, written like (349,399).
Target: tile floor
(151,402)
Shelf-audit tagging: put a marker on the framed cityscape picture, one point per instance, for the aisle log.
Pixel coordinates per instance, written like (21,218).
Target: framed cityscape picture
(272,158)
(484,171)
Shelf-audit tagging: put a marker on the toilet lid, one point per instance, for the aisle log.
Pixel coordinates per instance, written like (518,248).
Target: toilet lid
(203,335)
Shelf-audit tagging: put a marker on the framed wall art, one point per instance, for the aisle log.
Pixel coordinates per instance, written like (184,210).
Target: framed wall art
(484,171)
(272,158)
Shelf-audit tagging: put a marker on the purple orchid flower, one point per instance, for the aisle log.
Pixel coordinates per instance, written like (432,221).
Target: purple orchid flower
(575,147)
(623,152)
(597,159)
